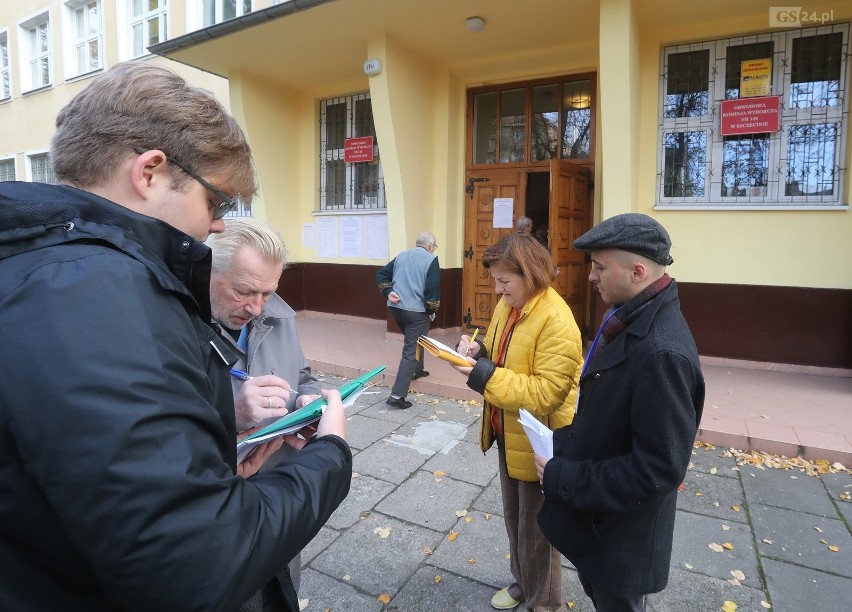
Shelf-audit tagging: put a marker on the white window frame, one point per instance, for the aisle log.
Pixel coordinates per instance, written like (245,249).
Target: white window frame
(774,198)
(142,20)
(73,12)
(28,32)
(29,156)
(5,68)
(218,10)
(4,160)
(327,154)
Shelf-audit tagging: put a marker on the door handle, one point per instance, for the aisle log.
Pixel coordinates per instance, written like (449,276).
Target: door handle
(468,253)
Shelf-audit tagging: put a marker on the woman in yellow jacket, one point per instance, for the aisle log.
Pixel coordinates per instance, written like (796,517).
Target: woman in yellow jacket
(530,358)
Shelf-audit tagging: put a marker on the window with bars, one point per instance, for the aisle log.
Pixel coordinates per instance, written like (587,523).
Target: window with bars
(41,170)
(5,75)
(148,25)
(86,36)
(7,169)
(217,11)
(356,185)
(36,38)
(531,122)
(799,165)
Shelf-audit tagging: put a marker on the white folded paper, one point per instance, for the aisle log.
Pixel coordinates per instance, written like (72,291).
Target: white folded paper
(540,436)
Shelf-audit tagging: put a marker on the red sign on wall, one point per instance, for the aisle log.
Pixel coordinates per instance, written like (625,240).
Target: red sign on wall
(751,115)
(358,149)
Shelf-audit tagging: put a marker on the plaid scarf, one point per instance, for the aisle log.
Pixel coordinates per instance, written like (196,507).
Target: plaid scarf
(625,314)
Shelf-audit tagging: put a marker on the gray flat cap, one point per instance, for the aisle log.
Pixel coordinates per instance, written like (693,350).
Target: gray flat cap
(632,232)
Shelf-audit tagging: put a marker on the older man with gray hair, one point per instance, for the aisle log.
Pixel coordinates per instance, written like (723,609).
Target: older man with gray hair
(411,282)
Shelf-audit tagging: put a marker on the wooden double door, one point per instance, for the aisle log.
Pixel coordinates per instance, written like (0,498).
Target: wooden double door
(561,194)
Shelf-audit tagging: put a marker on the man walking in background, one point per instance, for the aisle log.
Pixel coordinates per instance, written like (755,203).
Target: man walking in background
(411,282)
(524,225)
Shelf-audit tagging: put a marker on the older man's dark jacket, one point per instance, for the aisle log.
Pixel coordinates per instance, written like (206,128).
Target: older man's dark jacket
(611,489)
(117,450)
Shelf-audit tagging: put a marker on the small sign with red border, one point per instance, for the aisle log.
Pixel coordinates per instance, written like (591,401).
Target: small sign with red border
(358,149)
(751,116)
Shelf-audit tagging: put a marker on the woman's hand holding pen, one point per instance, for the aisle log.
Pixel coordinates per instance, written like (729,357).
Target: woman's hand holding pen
(468,348)
(260,398)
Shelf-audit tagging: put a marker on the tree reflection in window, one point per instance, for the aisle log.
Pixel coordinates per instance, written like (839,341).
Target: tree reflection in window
(811,159)
(687,93)
(745,165)
(576,119)
(815,75)
(512,126)
(683,172)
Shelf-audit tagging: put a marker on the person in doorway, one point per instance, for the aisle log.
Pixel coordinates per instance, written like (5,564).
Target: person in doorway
(530,358)
(411,282)
(118,483)
(249,257)
(611,487)
(524,226)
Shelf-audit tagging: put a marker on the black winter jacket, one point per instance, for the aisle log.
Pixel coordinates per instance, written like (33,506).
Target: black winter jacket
(611,488)
(117,440)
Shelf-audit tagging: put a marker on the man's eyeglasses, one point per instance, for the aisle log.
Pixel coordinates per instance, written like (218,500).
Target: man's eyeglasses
(225,206)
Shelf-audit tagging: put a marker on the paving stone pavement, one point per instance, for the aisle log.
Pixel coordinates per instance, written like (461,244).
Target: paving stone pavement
(422,527)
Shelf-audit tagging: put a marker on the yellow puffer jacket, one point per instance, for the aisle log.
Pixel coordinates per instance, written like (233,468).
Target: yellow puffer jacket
(541,374)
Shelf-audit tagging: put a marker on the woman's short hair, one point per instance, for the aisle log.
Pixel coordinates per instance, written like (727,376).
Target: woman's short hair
(524,255)
(139,104)
(246,232)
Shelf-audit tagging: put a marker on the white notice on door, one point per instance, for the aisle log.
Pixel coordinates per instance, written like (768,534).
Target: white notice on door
(503,210)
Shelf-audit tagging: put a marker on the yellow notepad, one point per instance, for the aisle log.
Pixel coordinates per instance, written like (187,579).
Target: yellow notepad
(441,351)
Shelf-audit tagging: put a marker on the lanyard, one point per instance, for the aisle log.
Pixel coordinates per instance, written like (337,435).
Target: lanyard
(595,341)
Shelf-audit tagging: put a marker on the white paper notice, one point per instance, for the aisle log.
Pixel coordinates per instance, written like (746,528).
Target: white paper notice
(350,236)
(326,236)
(376,237)
(308,235)
(503,209)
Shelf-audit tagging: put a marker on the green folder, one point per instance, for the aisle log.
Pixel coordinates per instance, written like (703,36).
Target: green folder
(293,422)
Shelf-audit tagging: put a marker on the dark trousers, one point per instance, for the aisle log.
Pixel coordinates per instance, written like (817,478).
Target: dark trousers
(606,602)
(413,325)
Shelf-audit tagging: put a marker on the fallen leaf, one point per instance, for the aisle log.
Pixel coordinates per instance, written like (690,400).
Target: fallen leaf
(438,473)
(687,566)
(712,470)
(347,577)
(488,516)
(461,513)
(763,416)
(738,574)
(765,604)
(818,529)
(834,548)
(473,403)
(384,598)
(437,579)
(735,508)
(734,582)
(303,604)
(471,561)
(698,494)
(452,536)
(725,527)
(728,546)
(468,519)
(570,604)
(715,547)
(508,555)
(355,474)
(427,550)
(846,496)
(382,532)
(729,606)
(767,541)
(823,541)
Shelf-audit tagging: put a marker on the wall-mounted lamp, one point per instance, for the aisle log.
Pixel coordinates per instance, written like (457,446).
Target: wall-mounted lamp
(475,24)
(373,66)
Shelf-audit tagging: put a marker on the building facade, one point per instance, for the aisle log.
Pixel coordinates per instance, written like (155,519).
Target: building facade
(728,122)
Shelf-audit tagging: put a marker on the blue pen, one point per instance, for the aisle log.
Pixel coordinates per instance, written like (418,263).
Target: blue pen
(239,374)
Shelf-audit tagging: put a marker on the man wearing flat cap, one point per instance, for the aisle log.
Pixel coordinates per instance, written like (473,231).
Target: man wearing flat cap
(611,487)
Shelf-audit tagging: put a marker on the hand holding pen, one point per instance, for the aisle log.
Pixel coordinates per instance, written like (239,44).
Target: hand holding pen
(259,398)
(468,346)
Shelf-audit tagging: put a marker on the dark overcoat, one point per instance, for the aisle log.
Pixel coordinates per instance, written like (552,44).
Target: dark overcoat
(611,489)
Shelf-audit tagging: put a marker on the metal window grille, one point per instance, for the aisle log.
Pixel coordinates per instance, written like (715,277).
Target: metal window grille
(352,186)
(7,169)
(41,169)
(801,164)
(5,78)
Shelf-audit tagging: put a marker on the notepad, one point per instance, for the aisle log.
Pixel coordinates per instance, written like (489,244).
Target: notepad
(296,420)
(541,437)
(441,351)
